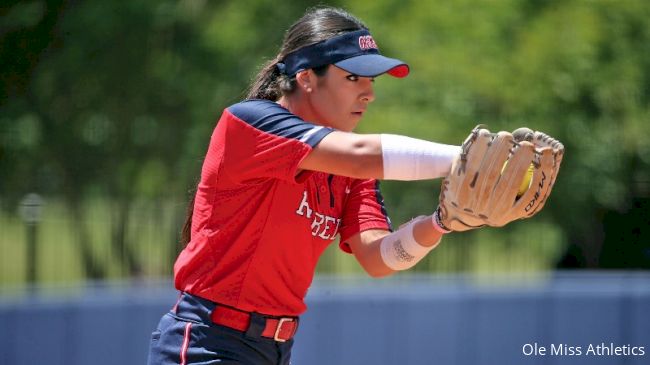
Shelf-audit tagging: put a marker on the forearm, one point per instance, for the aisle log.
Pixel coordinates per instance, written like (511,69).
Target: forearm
(381,253)
(406,158)
(384,156)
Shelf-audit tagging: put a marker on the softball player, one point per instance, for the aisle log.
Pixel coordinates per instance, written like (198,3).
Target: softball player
(284,175)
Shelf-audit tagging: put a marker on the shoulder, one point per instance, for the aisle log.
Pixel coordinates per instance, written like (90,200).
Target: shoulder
(271,118)
(257,110)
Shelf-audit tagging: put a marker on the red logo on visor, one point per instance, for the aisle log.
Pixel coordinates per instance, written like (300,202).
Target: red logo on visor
(366,42)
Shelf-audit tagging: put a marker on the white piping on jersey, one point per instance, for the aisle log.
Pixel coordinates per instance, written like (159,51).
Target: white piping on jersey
(310,133)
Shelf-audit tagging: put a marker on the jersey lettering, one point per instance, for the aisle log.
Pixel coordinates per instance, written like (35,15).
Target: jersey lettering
(304,205)
(316,223)
(327,227)
(322,225)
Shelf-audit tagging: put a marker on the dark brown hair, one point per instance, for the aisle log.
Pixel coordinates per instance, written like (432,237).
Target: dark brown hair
(316,25)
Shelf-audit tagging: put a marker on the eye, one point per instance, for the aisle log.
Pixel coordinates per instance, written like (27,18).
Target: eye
(355,78)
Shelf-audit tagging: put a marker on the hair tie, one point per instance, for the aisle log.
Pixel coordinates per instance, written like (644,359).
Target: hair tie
(281,67)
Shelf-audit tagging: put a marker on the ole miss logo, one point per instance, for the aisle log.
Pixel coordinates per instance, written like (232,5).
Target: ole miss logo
(366,42)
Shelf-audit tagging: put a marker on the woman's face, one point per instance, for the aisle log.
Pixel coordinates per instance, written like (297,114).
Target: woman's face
(339,99)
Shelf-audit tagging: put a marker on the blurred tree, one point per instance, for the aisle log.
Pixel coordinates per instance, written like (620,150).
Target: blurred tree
(577,70)
(118,100)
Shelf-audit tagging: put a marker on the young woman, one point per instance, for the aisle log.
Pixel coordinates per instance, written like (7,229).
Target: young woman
(284,176)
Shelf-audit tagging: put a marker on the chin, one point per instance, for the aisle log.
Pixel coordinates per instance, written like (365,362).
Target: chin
(349,126)
(346,126)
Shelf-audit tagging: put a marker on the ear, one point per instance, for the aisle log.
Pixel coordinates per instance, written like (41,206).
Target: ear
(306,80)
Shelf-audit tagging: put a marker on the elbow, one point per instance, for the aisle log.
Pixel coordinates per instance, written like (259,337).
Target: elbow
(378,274)
(366,159)
(377,271)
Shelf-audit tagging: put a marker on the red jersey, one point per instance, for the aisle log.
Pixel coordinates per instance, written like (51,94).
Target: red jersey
(258,227)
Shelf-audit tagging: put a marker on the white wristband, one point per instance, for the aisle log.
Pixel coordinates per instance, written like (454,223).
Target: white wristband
(408,158)
(400,251)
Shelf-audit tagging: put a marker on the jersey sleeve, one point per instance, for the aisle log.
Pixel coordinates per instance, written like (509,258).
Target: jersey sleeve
(363,210)
(261,139)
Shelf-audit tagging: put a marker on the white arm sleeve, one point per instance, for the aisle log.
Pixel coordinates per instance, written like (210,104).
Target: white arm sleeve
(408,158)
(400,251)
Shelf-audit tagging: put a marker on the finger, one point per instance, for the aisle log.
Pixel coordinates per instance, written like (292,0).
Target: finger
(531,202)
(490,172)
(505,193)
(523,134)
(555,169)
(473,151)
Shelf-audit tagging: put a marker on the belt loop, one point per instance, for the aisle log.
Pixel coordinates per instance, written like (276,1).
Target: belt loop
(256,326)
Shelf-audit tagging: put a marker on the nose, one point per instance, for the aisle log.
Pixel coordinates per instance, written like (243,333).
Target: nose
(368,94)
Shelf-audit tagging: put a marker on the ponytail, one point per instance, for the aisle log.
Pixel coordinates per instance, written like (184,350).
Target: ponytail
(270,84)
(186,233)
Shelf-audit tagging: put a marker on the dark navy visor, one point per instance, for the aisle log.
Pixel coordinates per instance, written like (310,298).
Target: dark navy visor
(355,52)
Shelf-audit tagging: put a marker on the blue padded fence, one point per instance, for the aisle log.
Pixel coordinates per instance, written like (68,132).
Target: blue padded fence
(403,320)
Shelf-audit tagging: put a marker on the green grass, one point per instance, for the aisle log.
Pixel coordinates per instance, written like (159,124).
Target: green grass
(150,232)
(524,247)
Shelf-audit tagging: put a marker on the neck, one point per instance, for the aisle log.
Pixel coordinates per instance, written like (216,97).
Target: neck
(299,104)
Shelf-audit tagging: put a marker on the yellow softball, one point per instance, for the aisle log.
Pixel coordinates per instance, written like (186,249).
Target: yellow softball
(525,183)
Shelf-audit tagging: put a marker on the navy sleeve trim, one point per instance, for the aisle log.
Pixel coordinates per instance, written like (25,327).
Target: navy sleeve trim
(380,201)
(272,118)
